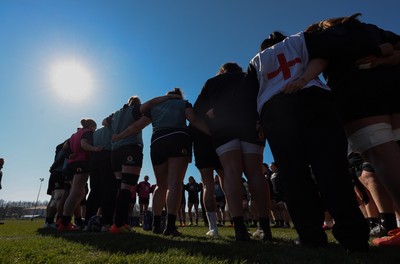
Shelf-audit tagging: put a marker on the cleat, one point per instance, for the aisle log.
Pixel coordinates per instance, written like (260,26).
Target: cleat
(172,232)
(378,231)
(212,233)
(51,226)
(105,228)
(69,227)
(392,240)
(258,234)
(120,230)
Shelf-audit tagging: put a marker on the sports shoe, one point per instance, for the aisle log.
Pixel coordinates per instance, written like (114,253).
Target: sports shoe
(212,233)
(51,226)
(172,232)
(378,231)
(105,228)
(393,240)
(276,225)
(258,234)
(120,230)
(285,226)
(69,227)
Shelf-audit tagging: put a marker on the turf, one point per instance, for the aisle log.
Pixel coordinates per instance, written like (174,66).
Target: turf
(23,241)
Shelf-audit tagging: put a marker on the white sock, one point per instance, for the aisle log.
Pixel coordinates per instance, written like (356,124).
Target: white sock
(398,222)
(212,220)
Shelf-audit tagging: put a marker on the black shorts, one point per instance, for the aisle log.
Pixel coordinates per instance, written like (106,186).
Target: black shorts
(56,182)
(221,202)
(193,201)
(77,167)
(374,94)
(129,155)
(144,200)
(168,144)
(204,152)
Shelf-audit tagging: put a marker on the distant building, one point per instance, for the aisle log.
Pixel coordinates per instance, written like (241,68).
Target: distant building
(32,212)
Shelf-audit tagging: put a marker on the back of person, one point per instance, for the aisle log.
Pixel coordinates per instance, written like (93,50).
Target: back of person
(121,120)
(169,114)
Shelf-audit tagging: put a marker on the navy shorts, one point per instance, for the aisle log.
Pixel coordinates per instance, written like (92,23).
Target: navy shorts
(56,182)
(204,152)
(129,155)
(78,167)
(170,145)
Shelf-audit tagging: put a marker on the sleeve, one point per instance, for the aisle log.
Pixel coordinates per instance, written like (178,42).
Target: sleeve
(202,103)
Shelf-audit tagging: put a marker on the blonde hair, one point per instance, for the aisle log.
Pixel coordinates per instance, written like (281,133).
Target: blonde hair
(87,122)
(325,24)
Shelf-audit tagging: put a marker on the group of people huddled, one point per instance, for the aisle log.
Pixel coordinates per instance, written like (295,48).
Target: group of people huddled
(313,129)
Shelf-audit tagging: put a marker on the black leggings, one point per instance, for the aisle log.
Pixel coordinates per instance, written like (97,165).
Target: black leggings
(304,133)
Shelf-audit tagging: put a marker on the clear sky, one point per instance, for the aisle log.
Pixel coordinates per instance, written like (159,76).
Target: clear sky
(123,48)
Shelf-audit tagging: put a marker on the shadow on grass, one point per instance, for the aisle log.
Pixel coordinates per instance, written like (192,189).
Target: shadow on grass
(224,248)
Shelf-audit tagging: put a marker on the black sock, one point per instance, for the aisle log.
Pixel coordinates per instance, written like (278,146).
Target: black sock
(49,220)
(122,207)
(388,221)
(65,220)
(372,222)
(238,221)
(171,221)
(157,221)
(264,225)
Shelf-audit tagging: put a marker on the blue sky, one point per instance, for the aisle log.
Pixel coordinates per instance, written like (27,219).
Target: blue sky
(129,48)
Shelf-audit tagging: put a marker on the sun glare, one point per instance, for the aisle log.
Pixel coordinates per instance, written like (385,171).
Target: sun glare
(71,80)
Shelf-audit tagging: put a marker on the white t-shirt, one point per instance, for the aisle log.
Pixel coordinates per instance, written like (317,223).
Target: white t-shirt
(280,64)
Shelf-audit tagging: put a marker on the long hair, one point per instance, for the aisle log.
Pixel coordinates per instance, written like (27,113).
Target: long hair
(325,24)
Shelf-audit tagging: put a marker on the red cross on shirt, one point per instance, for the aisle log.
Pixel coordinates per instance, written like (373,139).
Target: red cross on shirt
(284,67)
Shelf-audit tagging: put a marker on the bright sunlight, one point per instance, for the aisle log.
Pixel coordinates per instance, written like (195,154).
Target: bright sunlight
(71,80)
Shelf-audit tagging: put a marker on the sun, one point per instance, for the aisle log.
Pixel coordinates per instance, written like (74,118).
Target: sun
(71,80)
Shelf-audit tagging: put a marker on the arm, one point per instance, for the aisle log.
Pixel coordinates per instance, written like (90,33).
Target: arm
(196,121)
(313,69)
(157,100)
(88,147)
(373,61)
(133,128)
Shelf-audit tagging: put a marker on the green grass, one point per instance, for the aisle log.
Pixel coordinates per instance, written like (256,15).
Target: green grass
(22,241)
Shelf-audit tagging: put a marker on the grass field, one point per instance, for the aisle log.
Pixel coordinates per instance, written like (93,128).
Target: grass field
(22,241)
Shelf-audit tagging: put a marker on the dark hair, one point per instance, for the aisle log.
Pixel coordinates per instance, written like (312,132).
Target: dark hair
(176,91)
(230,67)
(325,24)
(134,100)
(273,38)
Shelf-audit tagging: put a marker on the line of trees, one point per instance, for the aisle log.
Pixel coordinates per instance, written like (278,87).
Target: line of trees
(15,209)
